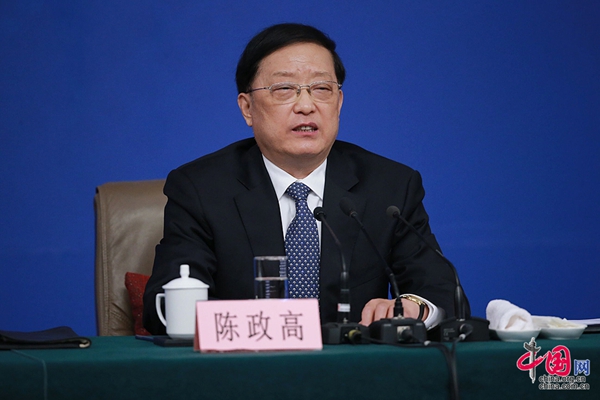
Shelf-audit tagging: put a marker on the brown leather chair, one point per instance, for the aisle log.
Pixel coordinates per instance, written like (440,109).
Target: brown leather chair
(129,224)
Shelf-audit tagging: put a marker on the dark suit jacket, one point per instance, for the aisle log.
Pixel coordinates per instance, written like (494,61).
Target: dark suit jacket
(222,211)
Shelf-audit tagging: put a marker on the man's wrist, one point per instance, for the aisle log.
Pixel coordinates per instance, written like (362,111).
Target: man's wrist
(422,305)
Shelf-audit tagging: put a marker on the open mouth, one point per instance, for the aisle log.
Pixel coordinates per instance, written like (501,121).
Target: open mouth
(305,128)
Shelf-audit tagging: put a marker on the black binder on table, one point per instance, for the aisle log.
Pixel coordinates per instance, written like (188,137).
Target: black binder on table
(61,337)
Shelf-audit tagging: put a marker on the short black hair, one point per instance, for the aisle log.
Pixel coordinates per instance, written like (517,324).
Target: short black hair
(276,37)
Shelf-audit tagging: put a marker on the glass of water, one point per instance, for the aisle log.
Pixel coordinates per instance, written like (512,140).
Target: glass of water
(271,277)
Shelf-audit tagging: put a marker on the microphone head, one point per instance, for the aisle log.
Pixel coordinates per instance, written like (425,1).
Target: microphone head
(347,206)
(319,214)
(393,211)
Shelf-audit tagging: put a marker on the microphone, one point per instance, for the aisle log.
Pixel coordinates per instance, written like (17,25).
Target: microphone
(459,294)
(398,328)
(344,303)
(462,327)
(341,331)
(348,208)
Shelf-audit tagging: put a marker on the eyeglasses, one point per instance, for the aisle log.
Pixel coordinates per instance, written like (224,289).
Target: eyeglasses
(286,92)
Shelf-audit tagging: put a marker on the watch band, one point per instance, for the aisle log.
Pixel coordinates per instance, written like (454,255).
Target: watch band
(418,301)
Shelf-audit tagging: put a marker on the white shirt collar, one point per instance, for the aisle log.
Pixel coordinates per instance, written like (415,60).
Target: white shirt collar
(282,180)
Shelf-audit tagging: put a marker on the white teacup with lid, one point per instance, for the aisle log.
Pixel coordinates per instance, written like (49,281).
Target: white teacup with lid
(180,296)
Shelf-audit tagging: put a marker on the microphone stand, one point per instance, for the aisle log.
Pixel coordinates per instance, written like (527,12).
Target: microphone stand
(463,327)
(341,331)
(389,330)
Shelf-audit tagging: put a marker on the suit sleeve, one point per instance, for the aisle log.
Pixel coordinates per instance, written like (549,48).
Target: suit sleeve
(418,269)
(187,239)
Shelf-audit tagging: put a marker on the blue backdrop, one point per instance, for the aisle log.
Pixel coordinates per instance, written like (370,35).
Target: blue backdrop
(496,103)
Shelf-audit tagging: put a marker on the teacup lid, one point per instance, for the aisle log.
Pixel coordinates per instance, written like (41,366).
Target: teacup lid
(185,282)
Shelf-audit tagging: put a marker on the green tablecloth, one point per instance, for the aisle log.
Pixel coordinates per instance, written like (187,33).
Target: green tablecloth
(126,368)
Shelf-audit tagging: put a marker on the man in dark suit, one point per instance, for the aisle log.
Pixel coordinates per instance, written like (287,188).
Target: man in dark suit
(225,208)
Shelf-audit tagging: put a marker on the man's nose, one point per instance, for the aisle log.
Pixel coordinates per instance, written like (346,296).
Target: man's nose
(304,102)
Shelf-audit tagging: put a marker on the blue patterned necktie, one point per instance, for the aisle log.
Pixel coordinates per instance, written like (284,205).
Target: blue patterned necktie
(302,246)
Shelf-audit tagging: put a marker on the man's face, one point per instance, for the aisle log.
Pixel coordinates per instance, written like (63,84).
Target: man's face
(298,135)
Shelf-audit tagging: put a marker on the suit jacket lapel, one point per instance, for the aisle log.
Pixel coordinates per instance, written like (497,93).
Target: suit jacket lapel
(258,206)
(341,177)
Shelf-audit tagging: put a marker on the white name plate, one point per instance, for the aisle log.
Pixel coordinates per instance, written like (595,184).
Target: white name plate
(257,325)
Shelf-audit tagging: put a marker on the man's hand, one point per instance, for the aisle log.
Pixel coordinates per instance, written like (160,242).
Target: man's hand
(377,309)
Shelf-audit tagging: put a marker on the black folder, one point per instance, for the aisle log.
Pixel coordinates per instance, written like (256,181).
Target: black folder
(61,337)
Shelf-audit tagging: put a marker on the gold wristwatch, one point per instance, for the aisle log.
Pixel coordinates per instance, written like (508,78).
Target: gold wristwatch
(416,300)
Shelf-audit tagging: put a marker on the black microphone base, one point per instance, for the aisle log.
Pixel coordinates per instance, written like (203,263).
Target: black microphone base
(344,333)
(398,330)
(450,329)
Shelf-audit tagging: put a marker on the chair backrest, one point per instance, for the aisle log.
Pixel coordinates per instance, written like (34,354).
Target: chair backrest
(129,225)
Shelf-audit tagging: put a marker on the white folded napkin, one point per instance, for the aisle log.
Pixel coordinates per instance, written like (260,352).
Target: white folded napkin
(503,314)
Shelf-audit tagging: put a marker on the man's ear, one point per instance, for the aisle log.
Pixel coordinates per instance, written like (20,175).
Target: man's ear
(245,103)
(340,102)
